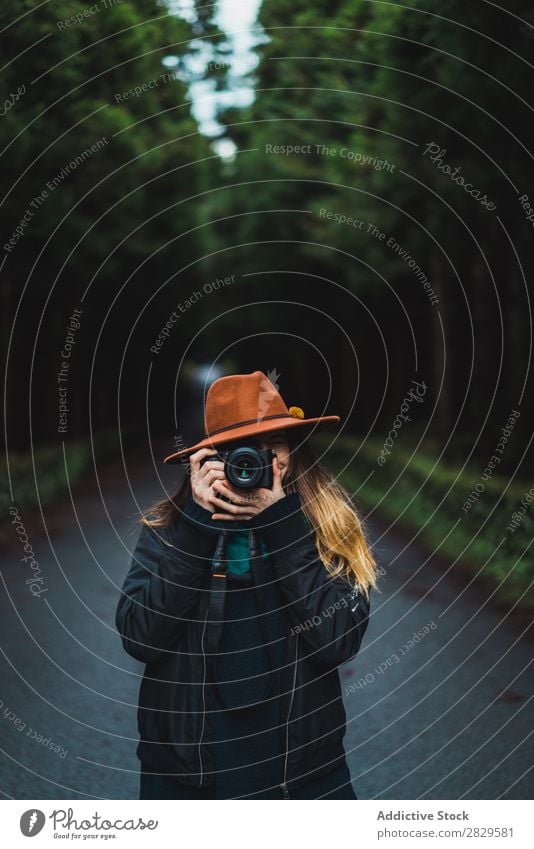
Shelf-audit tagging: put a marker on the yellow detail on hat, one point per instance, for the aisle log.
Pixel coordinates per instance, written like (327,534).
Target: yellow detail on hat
(296,412)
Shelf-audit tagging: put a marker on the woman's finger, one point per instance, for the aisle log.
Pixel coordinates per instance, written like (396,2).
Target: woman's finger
(277,476)
(209,466)
(253,497)
(226,517)
(194,459)
(229,507)
(221,487)
(213,475)
(234,509)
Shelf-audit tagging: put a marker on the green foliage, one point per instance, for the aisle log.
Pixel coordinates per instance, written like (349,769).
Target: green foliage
(73,84)
(92,74)
(40,478)
(426,498)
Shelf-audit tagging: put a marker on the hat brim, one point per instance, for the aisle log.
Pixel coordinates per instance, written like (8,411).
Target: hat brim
(255,429)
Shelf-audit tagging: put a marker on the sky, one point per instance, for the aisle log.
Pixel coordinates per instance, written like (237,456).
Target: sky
(237,18)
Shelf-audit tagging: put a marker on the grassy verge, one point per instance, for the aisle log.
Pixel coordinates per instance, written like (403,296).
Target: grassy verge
(485,522)
(53,471)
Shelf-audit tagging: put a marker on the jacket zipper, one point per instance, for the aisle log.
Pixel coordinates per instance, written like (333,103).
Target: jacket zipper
(284,783)
(354,594)
(203,702)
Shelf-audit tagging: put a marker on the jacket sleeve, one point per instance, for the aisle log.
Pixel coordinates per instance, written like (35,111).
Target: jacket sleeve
(168,570)
(329,613)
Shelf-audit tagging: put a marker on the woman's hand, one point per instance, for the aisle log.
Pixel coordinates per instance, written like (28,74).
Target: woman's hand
(203,477)
(245,505)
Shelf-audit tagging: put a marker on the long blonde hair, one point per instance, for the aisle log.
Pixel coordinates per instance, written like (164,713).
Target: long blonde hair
(338,530)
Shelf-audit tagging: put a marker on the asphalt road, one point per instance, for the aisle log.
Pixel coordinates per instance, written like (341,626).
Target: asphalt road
(444,715)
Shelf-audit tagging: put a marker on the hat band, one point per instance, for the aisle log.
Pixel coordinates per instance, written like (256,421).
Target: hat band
(247,422)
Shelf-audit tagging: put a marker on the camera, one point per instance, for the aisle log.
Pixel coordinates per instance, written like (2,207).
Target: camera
(246,467)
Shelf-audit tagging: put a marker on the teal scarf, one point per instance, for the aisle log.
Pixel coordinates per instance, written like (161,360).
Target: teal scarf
(237,551)
(237,548)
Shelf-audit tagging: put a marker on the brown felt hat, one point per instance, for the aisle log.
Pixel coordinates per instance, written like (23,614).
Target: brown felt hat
(243,405)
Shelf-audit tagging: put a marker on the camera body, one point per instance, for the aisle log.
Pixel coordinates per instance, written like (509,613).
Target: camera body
(246,467)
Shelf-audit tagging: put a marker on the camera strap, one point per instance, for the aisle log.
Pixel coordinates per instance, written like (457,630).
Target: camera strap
(219,573)
(255,555)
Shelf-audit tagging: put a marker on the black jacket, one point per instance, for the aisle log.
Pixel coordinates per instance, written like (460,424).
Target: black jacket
(162,619)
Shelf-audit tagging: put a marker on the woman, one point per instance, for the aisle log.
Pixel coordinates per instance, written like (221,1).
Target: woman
(242,603)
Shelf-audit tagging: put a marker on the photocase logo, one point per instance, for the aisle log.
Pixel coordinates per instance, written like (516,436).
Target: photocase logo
(268,390)
(31,822)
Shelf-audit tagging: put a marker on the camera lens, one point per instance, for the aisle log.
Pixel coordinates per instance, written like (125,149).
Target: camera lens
(244,467)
